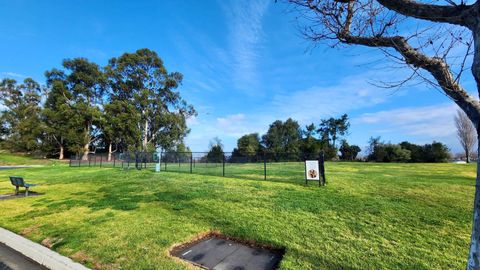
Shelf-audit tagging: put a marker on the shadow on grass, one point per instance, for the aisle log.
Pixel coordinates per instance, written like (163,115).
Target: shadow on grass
(213,203)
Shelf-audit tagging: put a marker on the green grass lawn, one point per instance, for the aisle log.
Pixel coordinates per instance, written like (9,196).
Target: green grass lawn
(18,159)
(370,216)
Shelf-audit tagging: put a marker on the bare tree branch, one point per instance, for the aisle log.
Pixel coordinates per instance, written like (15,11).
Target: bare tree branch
(454,14)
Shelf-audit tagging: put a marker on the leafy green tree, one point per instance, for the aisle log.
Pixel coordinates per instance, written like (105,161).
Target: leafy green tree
(62,125)
(417,152)
(330,130)
(21,120)
(215,154)
(140,79)
(248,149)
(3,132)
(395,153)
(183,152)
(283,139)
(310,146)
(334,128)
(348,152)
(120,129)
(436,152)
(84,82)
(407,152)
(249,144)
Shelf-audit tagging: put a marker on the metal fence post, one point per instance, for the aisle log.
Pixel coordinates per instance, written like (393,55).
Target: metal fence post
(114,161)
(89,159)
(322,168)
(191,161)
(223,171)
(70,162)
(79,162)
(101,157)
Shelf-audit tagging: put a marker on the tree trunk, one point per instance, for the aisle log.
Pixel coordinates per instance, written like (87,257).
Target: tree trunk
(467,155)
(109,152)
(85,151)
(60,156)
(474,254)
(87,143)
(145,137)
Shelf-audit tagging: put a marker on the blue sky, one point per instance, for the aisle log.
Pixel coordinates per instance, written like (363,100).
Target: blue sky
(244,64)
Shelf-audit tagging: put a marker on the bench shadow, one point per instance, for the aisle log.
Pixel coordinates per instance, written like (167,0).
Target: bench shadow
(21,194)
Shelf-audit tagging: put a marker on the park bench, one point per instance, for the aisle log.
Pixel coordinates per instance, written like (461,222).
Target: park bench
(19,182)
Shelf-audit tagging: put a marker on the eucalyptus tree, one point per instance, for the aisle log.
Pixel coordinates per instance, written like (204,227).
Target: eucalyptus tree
(21,114)
(141,80)
(62,125)
(85,83)
(119,126)
(422,35)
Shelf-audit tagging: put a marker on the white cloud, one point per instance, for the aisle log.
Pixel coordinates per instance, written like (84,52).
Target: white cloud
(246,33)
(318,102)
(230,120)
(306,106)
(430,121)
(12,74)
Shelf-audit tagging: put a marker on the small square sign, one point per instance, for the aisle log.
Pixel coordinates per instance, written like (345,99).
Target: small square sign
(312,171)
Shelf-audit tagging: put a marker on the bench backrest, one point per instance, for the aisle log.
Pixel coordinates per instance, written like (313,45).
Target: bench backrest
(17,181)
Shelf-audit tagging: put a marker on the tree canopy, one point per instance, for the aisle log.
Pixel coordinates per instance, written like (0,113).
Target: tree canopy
(21,120)
(131,104)
(139,82)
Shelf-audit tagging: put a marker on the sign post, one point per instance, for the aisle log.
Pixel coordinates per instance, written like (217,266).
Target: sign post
(312,171)
(159,155)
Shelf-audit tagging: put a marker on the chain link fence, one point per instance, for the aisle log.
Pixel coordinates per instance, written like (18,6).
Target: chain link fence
(282,167)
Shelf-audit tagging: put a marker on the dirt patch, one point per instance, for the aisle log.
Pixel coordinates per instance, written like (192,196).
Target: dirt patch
(50,242)
(84,258)
(81,257)
(29,230)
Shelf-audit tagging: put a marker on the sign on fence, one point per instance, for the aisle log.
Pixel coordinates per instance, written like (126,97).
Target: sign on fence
(312,171)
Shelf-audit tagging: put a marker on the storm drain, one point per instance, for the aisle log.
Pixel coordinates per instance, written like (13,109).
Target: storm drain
(215,253)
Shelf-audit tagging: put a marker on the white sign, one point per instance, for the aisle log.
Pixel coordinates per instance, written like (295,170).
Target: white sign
(312,171)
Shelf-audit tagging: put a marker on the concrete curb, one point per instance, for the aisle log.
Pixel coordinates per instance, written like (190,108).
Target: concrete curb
(38,253)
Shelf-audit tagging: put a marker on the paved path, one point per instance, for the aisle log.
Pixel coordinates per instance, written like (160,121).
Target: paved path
(36,252)
(13,260)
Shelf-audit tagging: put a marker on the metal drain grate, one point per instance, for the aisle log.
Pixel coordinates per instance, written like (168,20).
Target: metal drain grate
(220,254)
